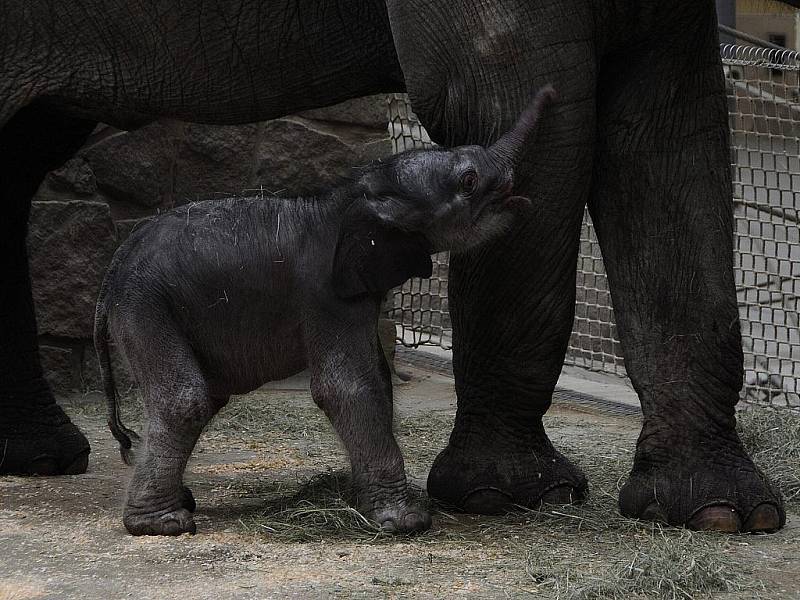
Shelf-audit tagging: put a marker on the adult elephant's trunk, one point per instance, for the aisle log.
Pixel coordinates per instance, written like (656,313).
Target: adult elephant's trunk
(507,150)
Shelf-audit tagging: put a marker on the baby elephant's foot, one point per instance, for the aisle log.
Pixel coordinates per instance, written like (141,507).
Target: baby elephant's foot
(174,522)
(174,518)
(411,518)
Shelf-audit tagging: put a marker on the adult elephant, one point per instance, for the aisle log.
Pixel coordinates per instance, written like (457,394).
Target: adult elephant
(640,134)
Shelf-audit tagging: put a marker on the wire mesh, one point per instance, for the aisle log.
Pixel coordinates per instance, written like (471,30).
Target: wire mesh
(419,306)
(593,343)
(763,92)
(763,89)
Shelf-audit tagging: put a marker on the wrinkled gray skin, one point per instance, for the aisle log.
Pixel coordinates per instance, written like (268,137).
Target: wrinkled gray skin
(218,297)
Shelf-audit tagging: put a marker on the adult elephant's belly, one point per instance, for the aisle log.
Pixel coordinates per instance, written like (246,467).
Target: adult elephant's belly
(238,357)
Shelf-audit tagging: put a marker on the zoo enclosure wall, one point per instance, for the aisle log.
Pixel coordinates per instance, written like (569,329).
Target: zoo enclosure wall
(763,91)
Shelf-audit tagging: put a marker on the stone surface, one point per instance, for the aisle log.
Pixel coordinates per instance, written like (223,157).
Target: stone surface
(297,156)
(75,176)
(369,111)
(70,244)
(214,161)
(137,167)
(61,367)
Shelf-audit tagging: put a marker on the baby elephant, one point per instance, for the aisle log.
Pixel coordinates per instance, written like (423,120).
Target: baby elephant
(216,298)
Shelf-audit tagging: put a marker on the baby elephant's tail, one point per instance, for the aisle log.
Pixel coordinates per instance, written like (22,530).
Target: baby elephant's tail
(124,436)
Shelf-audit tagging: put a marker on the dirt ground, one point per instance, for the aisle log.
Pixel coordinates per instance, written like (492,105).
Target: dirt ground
(262,533)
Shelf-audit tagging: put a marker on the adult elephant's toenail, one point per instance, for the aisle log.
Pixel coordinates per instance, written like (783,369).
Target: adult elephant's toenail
(79,464)
(654,512)
(720,517)
(562,494)
(764,517)
(44,465)
(487,501)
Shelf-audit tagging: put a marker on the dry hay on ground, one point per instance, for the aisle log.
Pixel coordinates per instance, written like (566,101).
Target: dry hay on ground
(586,551)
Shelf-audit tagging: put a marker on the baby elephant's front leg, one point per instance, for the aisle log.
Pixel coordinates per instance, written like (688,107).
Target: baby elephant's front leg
(360,409)
(379,480)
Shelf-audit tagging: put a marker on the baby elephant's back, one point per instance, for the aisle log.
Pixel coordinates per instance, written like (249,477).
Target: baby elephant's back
(214,273)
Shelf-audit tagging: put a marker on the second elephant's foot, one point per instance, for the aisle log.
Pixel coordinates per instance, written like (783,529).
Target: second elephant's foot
(490,481)
(39,439)
(729,495)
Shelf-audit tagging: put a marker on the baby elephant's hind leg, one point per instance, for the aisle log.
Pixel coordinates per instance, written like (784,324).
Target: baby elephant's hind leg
(178,407)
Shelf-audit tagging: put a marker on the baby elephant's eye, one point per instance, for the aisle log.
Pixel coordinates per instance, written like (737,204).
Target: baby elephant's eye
(468,182)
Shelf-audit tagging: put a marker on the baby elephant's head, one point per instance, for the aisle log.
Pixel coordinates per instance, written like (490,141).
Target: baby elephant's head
(418,202)
(458,197)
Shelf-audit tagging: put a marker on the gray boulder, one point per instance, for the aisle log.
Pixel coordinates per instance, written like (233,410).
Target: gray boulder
(70,244)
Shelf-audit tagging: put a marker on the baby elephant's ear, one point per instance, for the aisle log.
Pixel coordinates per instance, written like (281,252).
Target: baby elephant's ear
(372,258)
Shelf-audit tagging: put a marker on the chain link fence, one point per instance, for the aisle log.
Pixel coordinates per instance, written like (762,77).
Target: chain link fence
(763,89)
(764,106)
(419,306)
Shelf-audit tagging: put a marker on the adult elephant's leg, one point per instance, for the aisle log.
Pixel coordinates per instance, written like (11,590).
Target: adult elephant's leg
(663,211)
(35,434)
(469,72)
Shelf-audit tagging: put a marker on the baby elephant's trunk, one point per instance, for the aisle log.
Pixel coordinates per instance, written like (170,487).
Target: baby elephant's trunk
(507,150)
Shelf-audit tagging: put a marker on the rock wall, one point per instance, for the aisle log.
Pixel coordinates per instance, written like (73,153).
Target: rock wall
(83,210)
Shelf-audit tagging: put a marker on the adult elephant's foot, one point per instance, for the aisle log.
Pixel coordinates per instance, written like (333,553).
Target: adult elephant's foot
(479,476)
(718,489)
(37,438)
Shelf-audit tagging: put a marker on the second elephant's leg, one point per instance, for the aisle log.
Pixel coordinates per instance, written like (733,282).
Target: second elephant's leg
(662,208)
(36,436)
(511,301)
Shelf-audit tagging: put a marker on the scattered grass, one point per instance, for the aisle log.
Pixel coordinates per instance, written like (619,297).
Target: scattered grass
(276,412)
(640,560)
(772,437)
(571,552)
(670,564)
(320,509)
(555,549)
(421,438)
(94,405)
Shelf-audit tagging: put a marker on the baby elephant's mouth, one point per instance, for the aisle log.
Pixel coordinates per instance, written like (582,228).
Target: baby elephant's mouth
(515,202)
(505,189)
(502,199)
